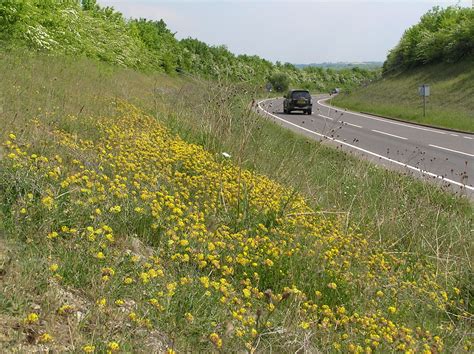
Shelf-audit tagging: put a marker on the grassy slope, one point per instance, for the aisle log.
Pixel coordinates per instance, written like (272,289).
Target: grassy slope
(405,217)
(450,104)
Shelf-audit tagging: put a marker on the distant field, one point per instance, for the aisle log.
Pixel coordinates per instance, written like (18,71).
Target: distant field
(451,104)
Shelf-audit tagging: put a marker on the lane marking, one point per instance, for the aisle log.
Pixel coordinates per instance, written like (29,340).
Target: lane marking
(453,134)
(456,151)
(395,136)
(325,117)
(367,151)
(354,125)
(468,137)
(379,119)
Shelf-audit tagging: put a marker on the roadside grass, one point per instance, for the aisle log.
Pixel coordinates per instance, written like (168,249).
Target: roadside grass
(450,104)
(376,229)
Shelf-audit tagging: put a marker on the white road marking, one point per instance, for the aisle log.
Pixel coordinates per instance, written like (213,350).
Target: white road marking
(395,136)
(354,125)
(381,120)
(325,117)
(453,134)
(468,137)
(456,151)
(367,151)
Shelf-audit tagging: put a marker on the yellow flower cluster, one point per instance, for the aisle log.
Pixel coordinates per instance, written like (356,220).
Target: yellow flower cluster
(230,246)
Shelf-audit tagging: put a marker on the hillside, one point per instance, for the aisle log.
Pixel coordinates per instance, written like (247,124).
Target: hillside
(119,235)
(104,34)
(438,51)
(450,103)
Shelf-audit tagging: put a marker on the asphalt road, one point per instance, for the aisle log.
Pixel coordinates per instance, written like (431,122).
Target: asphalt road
(442,156)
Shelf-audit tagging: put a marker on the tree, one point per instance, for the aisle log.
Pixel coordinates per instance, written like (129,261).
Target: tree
(90,5)
(280,82)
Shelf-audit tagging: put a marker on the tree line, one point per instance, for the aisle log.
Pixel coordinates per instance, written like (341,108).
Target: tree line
(85,28)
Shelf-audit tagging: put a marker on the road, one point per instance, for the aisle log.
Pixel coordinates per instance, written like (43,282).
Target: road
(442,156)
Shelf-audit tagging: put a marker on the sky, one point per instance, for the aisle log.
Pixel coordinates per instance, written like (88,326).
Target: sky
(299,32)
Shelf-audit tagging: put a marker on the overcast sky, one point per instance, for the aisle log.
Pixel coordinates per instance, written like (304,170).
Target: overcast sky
(289,31)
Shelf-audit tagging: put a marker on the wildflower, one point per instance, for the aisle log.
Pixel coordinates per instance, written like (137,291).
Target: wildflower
(113,346)
(128,281)
(189,317)
(53,235)
(48,202)
(215,339)
(115,209)
(31,318)
(204,281)
(246,292)
(102,302)
(88,348)
(53,267)
(23,211)
(379,293)
(305,325)
(392,309)
(268,262)
(108,271)
(100,255)
(119,302)
(12,136)
(45,338)
(145,277)
(65,309)
(332,286)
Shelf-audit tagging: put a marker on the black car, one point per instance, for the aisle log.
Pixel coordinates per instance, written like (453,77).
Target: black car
(298,100)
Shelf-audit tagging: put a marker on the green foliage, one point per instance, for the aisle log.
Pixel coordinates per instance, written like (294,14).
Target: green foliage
(441,35)
(280,82)
(85,28)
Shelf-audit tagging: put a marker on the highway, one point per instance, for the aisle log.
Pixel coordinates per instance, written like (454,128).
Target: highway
(442,156)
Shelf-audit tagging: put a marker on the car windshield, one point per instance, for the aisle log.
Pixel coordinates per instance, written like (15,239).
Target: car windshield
(300,94)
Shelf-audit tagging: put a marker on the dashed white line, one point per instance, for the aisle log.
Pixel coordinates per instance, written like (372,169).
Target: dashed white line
(468,137)
(453,134)
(393,135)
(382,120)
(325,117)
(353,125)
(367,151)
(456,151)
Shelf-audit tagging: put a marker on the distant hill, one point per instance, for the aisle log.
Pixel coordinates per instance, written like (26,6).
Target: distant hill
(368,65)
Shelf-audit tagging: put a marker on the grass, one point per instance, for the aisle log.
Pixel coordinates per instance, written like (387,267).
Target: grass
(450,104)
(336,219)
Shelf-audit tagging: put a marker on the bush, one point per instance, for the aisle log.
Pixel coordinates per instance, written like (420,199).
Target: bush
(441,35)
(280,82)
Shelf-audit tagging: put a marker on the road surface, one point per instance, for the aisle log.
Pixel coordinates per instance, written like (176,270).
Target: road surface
(442,156)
